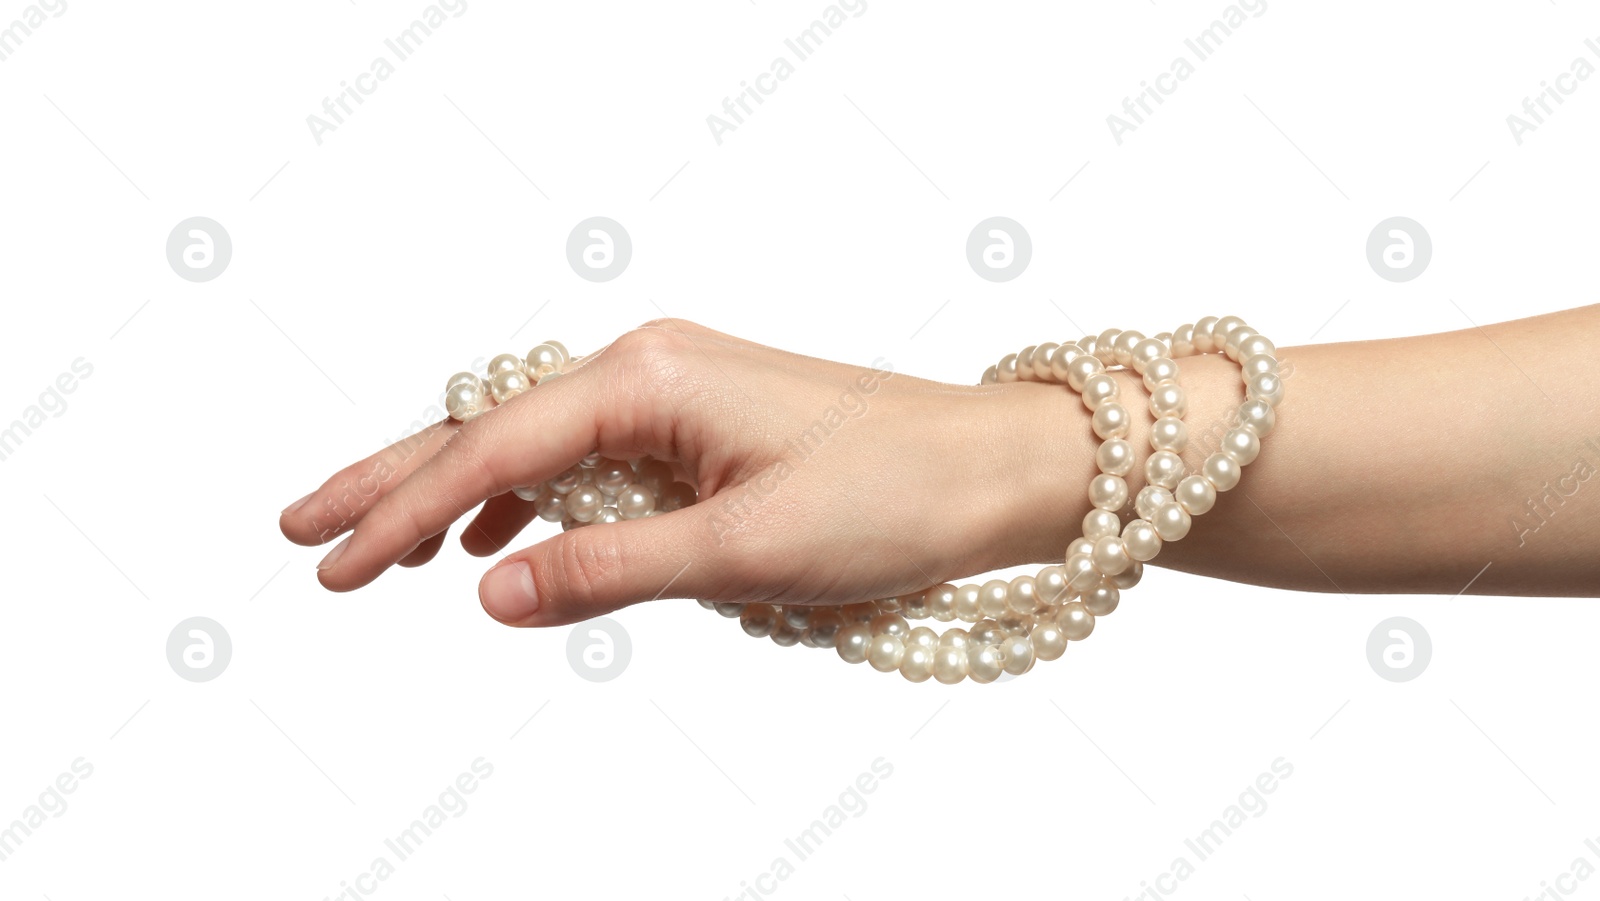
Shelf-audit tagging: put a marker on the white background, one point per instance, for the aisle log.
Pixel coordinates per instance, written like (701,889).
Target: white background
(413,241)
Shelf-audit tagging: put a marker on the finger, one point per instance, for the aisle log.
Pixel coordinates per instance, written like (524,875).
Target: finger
(347,497)
(500,520)
(425,551)
(593,570)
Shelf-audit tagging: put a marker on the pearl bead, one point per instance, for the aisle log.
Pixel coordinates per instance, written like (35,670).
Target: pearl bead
(1183,341)
(1141,540)
(527,492)
(1201,335)
(608,514)
(858,613)
(1102,599)
(758,620)
(1049,642)
(922,637)
(1151,497)
(1161,369)
(1171,522)
(967,609)
(1111,420)
(550,376)
(566,481)
(1050,585)
(949,664)
(611,476)
(1220,330)
(1168,400)
(1256,345)
(1022,595)
(1087,342)
(1101,523)
(1108,492)
(508,383)
(1230,345)
(1169,434)
(942,603)
(1163,468)
(464,401)
(1266,387)
(1146,352)
(1221,471)
(1025,364)
(591,460)
(991,376)
(1076,621)
(853,643)
(890,624)
(1242,445)
(1105,346)
(1006,369)
(551,507)
(560,349)
(1080,369)
(1016,654)
(1083,545)
(1130,578)
(585,503)
(466,378)
(1260,364)
(1196,494)
(955,638)
(1099,388)
(987,632)
(825,627)
(785,636)
(917,664)
(1257,416)
(544,358)
(797,615)
(1041,361)
(504,363)
(730,609)
(983,664)
(1081,573)
(992,597)
(885,653)
(1110,556)
(1125,344)
(1115,457)
(1061,359)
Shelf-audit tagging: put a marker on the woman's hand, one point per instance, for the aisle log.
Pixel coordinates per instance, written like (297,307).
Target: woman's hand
(819,482)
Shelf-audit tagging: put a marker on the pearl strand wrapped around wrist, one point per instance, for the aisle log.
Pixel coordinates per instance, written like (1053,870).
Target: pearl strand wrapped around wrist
(1015,623)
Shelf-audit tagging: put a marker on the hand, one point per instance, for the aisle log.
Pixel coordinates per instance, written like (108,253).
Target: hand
(819,482)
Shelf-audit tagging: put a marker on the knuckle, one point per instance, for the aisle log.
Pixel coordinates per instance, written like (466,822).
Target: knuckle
(578,568)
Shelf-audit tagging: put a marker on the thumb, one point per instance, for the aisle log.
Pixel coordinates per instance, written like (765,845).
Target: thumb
(593,570)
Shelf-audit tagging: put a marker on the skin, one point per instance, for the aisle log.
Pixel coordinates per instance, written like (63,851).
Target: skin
(1397,466)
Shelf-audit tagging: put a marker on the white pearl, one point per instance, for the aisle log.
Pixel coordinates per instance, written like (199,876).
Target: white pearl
(825,627)
(1161,369)
(730,609)
(1183,341)
(543,358)
(1016,653)
(1151,497)
(1256,345)
(591,460)
(1220,330)
(608,514)
(914,605)
(983,663)
(967,609)
(464,401)
(1006,369)
(550,376)
(635,503)
(508,383)
(1101,600)
(1171,522)
(1075,621)
(1257,416)
(1087,342)
(504,363)
(1141,540)
(566,481)
(758,620)
(1083,545)
(1266,387)
(987,632)
(1101,523)
(1051,586)
(1110,556)
(466,378)
(991,376)
(942,603)
(1111,420)
(1022,595)
(1168,400)
(560,349)
(1230,345)
(1196,494)
(1099,388)
(527,492)
(922,637)
(1163,468)
(917,664)
(1041,361)
(992,597)
(1169,434)
(1221,471)
(949,664)
(1115,457)
(585,503)
(1108,492)
(955,638)
(853,643)
(1105,346)
(1130,578)
(611,476)
(1061,358)
(890,624)
(1201,336)
(1260,364)
(885,653)
(1025,363)
(1242,445)
(1049,642)
(1146,352)
(1125,344)
(1079,370)
(551,507)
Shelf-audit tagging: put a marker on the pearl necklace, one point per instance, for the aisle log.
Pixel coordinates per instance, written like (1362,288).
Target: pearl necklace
(1013,624)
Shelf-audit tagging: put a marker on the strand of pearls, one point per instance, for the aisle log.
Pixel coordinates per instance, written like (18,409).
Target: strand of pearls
(1013,624)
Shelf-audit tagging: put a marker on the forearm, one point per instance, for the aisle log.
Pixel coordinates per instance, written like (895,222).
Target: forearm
(1406,465)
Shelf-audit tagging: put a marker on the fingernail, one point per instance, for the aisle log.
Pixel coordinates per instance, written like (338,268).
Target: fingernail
(508,593)
(335,554)
(296,505)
